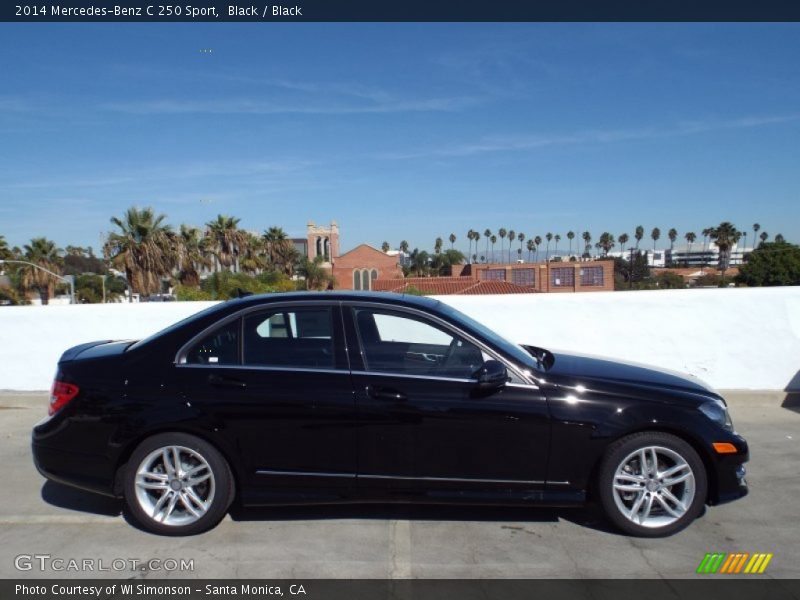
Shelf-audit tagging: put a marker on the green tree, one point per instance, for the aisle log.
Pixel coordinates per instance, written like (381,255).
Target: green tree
(143,248)
(317,277)
(5,251)
(225,241)
(512,235)
(549,238)
(655,234)
(623,239)
(452,239)
(43,253)
(771,264)
(531,245)
(487,234)
(672,234)
(557,239)
(587,240)
(437,245)
(494,241)
(638,235)
(725,236)
(521,238)
(570,237)
(690,237)
(404,247)
(385,247)
(191,255)
(756,227)
(538,241)
(779,238)
(606,242)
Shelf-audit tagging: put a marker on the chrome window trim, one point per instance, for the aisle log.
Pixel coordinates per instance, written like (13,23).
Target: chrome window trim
(265,368)
(412,376)
(444,324)
(180,357)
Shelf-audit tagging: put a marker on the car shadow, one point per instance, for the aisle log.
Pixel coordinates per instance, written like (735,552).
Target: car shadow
(64,496)
(590,516)
(791,400)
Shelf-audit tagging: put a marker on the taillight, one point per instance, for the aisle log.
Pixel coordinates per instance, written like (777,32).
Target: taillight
(60,395)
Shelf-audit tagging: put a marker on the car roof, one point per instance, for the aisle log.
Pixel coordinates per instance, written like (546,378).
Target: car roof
(339,296)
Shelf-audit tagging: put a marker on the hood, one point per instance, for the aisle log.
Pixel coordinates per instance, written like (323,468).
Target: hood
(579,367)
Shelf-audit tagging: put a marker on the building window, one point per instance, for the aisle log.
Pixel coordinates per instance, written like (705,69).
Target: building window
(562,277)
(592,276)
(494,275)
(524,277)
(356,279)
(365,280)
(372,277)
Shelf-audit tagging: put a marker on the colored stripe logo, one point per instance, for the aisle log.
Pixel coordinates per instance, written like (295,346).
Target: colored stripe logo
(735,562)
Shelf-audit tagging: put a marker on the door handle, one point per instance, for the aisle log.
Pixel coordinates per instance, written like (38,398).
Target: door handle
(384,393)
(226,382)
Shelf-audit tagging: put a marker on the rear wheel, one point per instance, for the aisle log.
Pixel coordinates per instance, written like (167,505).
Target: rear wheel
(177,484)
(652,484)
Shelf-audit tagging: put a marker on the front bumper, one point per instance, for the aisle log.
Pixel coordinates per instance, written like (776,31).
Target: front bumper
(730,473)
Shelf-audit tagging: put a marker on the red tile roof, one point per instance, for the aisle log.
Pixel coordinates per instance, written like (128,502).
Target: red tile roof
(450,285)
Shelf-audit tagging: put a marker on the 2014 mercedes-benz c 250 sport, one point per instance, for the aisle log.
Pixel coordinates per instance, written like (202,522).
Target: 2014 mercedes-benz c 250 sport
(371,397)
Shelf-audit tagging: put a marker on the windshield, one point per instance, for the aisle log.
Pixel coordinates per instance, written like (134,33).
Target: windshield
(515,351)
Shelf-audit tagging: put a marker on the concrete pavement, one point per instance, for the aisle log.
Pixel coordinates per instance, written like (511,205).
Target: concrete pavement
(38,518)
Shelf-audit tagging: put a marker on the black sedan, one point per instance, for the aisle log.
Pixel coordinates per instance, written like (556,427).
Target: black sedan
(357,397)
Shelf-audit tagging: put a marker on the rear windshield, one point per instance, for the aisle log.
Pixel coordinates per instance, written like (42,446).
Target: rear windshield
(175,326)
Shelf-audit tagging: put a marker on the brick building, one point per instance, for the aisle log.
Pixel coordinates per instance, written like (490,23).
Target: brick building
(521,278)
(362,266)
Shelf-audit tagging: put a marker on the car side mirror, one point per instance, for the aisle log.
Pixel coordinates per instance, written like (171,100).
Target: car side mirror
(492,375)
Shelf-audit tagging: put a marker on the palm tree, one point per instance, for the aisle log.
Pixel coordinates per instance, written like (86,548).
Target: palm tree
(530,246)
(557,238)
(763,237)
(756,227)
(494,241)
(280,250)
(706,232)
(404,247)
(606,242)
(511,237)
(655,234)
(538,241)
(143,249)
(385,247)
(638,234)
(623,239)
(5,252)
(779,239)
(316,276)
(502,233)
(252,256)
(487,234)
(191,255)
(570,237)
(419,261)
(452,239)
(43,253)
(725,236)
(437,246)
(521,238)
(690,238)
(587,239)
(549,238)
(469,242)
(672,234)
(225,241)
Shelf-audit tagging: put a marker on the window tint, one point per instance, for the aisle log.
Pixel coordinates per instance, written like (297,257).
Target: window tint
(220,347)
(400,343)
(290,338)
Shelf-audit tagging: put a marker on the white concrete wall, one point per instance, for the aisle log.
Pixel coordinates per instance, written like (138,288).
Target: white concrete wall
(731,338)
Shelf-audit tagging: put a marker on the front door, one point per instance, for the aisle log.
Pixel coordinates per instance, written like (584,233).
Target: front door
(426,429)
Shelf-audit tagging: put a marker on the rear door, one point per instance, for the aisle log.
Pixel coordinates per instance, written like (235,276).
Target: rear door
(275,381)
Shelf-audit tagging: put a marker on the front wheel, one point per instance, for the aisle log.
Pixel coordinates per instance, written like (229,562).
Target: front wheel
(652,484)
(177,484)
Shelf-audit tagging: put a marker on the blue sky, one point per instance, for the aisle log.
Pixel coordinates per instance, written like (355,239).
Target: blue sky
(400,131)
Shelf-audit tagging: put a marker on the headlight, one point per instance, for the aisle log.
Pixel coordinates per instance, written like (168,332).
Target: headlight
(717,412)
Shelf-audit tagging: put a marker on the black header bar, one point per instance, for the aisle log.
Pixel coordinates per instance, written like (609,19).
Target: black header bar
(399,10)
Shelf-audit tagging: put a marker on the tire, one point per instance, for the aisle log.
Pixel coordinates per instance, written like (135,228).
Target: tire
(184,501)
(644,503)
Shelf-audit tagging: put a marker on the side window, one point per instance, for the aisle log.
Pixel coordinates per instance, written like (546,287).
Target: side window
(220,347)
(289,338)
(400,343)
